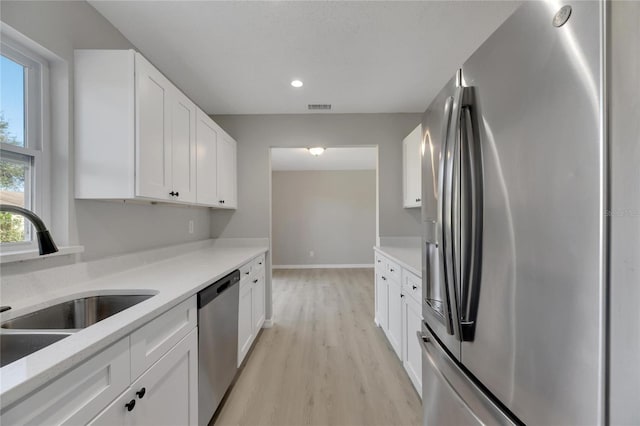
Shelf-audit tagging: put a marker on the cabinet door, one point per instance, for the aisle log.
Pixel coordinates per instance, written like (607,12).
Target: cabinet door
(227,172)
(382,300)
(206,160)
(257,300)
(183,147)
(153,144)
(245,321)
(394,331)
(170,387)
(411,354)
(166,394)
(412,155)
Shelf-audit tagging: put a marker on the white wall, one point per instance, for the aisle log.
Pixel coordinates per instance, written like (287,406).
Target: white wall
(104,228)
(332,213)
(257,133)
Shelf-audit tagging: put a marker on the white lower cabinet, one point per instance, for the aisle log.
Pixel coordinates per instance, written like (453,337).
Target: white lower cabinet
(257,302)
(251,312)
(382,300)
(398,311)
(149,377)
(394,331)
(245,322)
(166,394)
(411,355)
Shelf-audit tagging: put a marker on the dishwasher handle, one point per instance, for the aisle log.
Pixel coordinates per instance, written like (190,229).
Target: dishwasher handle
(217,288)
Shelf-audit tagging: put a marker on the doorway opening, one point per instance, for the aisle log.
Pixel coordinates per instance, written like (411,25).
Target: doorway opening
(324,208)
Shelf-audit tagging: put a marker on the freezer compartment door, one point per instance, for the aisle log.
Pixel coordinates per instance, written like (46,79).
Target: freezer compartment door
(449,396)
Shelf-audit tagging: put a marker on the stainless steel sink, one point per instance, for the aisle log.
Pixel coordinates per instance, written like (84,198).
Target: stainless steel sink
(14,346)
(75,314)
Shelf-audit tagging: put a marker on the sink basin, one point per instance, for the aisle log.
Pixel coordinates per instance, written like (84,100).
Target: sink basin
(77,313)
(17,345)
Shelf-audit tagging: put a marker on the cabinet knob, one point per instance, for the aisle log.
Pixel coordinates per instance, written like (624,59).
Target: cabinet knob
(177,194)
(141,393)
(259,263)
(384,278)
(392,269)
(417,200)
(255,281)
(221,201)
(247,273)
(131,405)
(414,287)
(172,193)
(402,295)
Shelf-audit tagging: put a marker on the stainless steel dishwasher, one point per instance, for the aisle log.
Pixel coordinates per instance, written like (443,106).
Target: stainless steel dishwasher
(217,343)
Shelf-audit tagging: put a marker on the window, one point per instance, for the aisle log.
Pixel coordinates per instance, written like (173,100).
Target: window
(22,141)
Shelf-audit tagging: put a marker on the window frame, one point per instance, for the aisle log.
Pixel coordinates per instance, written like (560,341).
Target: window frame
(36,134)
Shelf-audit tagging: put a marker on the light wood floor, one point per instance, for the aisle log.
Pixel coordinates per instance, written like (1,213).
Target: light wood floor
(324,362)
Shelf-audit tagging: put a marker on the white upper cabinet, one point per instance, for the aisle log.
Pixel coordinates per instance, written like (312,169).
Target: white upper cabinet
(137,135)
(216,165)
(153,147)
(183,147)
(412,170)
(227,172)
(206,160)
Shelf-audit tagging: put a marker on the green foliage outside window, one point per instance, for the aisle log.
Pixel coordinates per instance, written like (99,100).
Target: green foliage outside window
(11,179)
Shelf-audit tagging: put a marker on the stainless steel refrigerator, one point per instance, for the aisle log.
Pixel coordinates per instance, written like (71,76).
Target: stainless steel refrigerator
(517,194)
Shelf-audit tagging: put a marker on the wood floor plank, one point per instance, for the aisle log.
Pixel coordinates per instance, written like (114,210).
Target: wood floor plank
(324,362)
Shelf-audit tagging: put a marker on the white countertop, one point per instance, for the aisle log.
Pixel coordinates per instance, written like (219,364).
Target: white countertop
(173,279)
(408,257)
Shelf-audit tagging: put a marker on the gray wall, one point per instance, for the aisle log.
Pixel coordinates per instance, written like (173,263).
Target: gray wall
(257,133)
(104,228)
(332,213)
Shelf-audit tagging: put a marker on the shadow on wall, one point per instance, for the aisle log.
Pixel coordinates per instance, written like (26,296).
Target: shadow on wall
(220,220)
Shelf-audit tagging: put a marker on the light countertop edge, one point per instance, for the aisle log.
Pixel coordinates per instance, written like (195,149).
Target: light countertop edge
(408,258)
(174,279)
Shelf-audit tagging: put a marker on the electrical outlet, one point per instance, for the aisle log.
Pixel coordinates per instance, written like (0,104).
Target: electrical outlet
(191,226)
(311,253)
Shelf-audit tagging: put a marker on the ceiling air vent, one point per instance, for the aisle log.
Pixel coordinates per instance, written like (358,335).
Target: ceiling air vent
(324,107)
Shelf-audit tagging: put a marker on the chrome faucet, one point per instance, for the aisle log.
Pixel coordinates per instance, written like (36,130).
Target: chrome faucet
(45,242)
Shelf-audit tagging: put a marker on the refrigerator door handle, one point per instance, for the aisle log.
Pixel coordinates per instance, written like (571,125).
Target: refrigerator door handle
(451,216)
(449,302)
(471,274)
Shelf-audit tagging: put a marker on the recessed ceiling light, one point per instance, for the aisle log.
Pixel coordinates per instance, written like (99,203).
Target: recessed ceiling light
(296,83)
(315,151)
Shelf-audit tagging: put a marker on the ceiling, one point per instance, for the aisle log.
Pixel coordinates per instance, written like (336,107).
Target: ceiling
(361,158)
(239,57)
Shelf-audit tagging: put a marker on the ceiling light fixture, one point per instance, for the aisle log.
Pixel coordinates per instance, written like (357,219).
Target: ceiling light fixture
(316,151)
(296,83)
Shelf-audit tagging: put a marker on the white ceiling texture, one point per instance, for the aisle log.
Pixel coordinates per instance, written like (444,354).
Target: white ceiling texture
(239,57)
(356,158)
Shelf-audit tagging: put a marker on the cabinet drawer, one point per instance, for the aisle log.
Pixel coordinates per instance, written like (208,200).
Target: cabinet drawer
(78,395)
(393,270)
(151,341)
(412,285)
(245,270)
(258,264)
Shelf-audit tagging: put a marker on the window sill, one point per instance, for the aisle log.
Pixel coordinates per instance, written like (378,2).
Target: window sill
(22,255)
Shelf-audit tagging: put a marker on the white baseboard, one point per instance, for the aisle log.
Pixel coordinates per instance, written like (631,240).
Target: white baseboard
(326,266)
(267,323)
